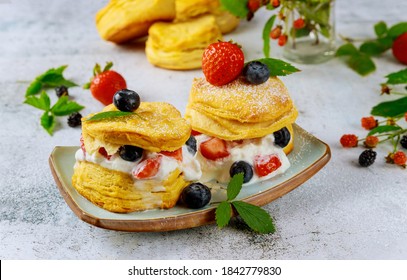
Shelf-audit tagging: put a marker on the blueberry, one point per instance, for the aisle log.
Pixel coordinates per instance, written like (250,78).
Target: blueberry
(242,167)
(126,100)
(130,153)
(282,137)
(191,145)
(256,72)
(196,195)
(61,91)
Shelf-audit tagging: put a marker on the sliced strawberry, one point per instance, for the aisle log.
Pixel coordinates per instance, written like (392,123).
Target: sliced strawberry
(177,154)
(147,168)
(214,149)
(83,145)
(195,133)
(265,164)
(104,153)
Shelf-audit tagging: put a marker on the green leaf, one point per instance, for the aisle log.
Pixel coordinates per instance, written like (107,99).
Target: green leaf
(48,122)
(237,8)
(65,107)
(396,78)
(255,217)
(234,186)
(372,48)
(397,29)
(346,49)
(108,66)
(43,102)
(362,64)
(56,80)
(380,28)
(278,67)
(383,128)
(391,109)
(298,33)
(223,213)
(33,88)
(266,35)
(109,115)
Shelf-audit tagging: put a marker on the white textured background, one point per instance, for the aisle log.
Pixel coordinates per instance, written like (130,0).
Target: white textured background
(343,212)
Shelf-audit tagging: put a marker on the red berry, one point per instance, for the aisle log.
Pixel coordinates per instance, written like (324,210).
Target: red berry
(369,122)
(349,140)
(276,32)
(399,48)
(275,3)
(405,116)
(106,83)
(147,168)
(104,153)
(195,133)
(299,23)
(222,62)
(371,141)
(253,5)
(82,145)
(177,154)
(400,158)
(282,40)
(214,149)
(265,164)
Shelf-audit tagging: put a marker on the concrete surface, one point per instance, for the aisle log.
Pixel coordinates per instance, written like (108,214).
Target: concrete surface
(343,212)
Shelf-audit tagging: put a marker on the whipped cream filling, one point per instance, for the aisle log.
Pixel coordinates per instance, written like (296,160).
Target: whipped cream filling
(189,165)
(246,150)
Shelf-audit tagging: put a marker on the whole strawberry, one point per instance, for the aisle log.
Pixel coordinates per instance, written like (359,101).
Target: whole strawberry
(222,62)
(105,83)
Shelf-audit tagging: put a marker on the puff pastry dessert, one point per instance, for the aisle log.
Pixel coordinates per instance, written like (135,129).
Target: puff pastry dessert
(241,127)
(181,45)
(135,162)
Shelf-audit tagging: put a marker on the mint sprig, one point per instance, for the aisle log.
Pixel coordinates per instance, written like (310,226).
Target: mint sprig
(278,67)
(63,107)
(51,78)
(109,115)
(255,217)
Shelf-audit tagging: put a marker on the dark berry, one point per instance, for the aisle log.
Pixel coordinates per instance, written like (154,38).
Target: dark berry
(282,137)
(242,167)
(74,119)
(61,91)
(126,100)
(367,158)
(196,195)
(403,141)
(191,145)
(256,72)
(130,153)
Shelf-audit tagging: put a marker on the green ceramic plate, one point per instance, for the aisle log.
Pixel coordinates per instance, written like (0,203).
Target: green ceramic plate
(307,158)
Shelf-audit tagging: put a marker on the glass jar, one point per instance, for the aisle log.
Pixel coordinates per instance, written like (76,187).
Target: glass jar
(311,31)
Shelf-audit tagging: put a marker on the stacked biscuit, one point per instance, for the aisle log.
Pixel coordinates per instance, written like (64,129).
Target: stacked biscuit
(179,30)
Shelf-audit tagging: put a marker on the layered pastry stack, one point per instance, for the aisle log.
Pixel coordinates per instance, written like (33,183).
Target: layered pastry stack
(178,30)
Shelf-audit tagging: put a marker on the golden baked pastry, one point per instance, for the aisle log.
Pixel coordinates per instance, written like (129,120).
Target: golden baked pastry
(239,110)
(181,45)
(124,20)
(154,179)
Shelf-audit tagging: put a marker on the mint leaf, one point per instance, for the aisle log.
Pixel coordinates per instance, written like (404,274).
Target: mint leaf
(346,49)
(223,213)
(234,186)
(33,88)
(65,107)
(362,64)
(380,28)
(383,128)
(397,29)
(237,8)
(255,217)
(278,67)
(396,78)
(109,115)
(266,35)
(391,109)
(48,122)
(43,102)
(56,80)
